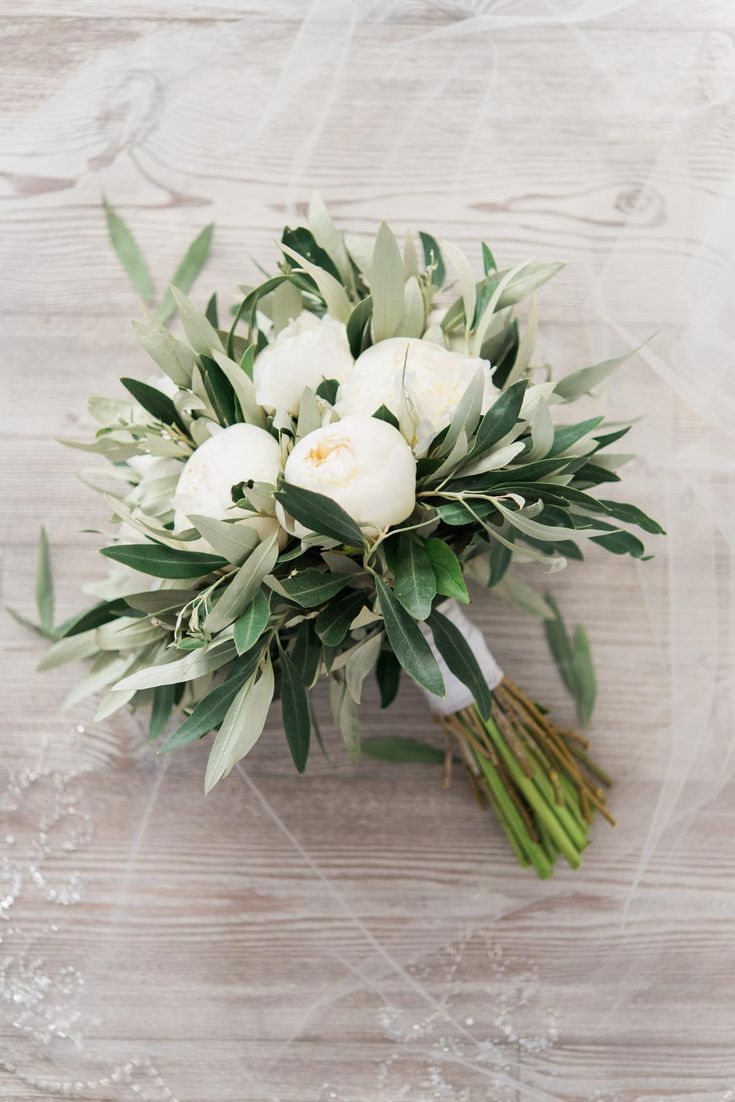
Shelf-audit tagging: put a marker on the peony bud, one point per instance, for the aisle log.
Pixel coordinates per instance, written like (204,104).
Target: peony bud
(236,454)
(307,351)
(434,379)
(363,464)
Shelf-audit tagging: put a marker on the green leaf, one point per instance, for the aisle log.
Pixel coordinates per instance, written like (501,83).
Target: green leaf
(244,585)
(384,414)
(433,256)
(239,377)
(499,419)
(457,653)
(330,289)
(358,326)
(153,401)
(211,312)
(631,514)
(241,727)
(320,514)
(295,712)
(621,543)
(212,709)
(173,357)
(581,382)
(409,645)
(183,278)
(388,674)
(447,570)
(306,653)
(361,661)
(220,392)
(129,254)
(305,244)
(102,613)
(333,622)
(488,260)
(312,587)
(194,664)
(584,673)
(397,748)
(232,539)
(201,335)
(327,390)
(386,284)
(44,584)
(500,556)
(251,624)
(573,660)
(159,600)
(566,435)
(163,702)
(163,562)
(415,581)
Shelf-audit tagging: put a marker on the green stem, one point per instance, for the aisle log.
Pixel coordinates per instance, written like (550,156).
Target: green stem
(547,813)
(532,849)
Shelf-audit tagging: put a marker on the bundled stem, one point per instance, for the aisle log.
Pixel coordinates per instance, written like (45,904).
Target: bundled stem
(538,777)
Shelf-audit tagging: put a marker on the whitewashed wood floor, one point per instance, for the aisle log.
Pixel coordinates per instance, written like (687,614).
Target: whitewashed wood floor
(359,934)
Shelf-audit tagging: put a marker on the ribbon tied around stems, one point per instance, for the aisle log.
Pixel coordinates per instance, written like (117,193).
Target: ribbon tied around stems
(457,695)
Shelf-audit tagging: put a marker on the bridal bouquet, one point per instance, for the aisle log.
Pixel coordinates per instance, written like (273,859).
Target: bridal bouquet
(303,492)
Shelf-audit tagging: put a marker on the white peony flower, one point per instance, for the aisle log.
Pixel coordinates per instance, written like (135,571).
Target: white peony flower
(236,454)
(363,464)
(304,353)
(435,380)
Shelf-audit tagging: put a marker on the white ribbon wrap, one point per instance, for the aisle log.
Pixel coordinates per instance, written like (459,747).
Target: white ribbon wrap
(458,696)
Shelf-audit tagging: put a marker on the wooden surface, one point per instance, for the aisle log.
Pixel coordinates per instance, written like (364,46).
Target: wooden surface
(359,934)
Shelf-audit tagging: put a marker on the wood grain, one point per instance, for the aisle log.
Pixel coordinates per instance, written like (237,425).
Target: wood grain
(361,934)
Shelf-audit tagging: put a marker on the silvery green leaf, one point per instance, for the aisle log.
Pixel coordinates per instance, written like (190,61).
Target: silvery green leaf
(73,649)
(546,532)
(128,253)
(360,664)
(586,379)
(244,585)
(44,585)
(193,664)
(156,496)
(310,417)
(495,300)
(287,303)
(113,449)
(414,314)
(468,412)
(173,357)
(242,726)
(106,669)
(244,389)
(386,284)
(191,265)
(542,432)
(232,540)
(526,344)
(251,624)
(495,460)
(112,702)
(534,394)
(329,237)
(468,288)
(410,256)
(534,274)
(360,247)
(459,450)
(200,333)
(112,412)
(127,633)
(346,715)
(613,461)
(331,290)
(523,596)
(123,512)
